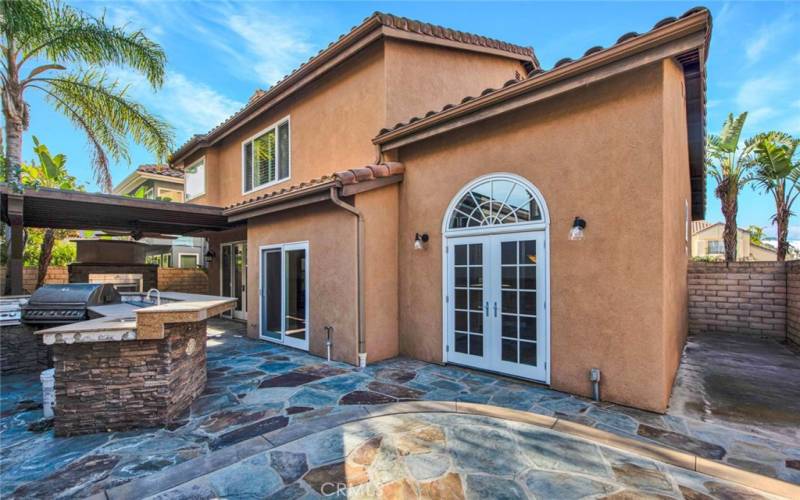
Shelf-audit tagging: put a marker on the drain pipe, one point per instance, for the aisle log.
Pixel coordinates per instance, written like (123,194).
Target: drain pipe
(595,378)
(362,352)
(328,343)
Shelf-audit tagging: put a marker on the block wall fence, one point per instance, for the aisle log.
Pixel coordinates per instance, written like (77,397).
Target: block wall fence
(169,279)
(762,298)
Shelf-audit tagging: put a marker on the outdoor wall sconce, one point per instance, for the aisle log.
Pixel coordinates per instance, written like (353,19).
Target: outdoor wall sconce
(420,240)
(210,256)
(578,225)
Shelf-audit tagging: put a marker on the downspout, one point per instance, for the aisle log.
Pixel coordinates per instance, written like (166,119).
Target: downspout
(362,351)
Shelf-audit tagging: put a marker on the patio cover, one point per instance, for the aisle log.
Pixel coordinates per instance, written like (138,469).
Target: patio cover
(60,209)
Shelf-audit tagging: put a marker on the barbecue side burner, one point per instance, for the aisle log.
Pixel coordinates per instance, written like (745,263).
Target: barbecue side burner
(67,303)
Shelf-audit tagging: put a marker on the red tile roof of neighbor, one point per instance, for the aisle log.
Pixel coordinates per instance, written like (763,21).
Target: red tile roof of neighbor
(376,20)
(338,179)
(165,170)
(536,73)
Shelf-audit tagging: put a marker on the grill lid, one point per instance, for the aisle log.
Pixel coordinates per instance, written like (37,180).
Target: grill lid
(89,294)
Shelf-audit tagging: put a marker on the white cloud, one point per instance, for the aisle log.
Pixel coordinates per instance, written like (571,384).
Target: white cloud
(191,107)
(273,46)
(759,96)
(756,46)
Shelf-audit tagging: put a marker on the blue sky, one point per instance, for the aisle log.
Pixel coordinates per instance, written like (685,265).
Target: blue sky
(219,53)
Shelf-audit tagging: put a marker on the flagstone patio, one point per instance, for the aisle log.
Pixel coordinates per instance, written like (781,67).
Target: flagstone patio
(257,388)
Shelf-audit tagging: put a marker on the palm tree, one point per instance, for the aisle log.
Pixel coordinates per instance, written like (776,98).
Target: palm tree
(729,164)
(50,172)
(67,50)
(778,172)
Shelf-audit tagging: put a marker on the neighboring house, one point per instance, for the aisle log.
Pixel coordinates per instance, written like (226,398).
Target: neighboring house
(412,190)
(707,242)
(161,182)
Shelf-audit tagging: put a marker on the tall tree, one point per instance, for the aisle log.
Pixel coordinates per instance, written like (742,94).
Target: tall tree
(49,172)
(729,165)
(777,172)
(68,50)
(53,48)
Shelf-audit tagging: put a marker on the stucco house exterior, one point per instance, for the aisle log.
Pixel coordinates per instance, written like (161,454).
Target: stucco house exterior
(707,242)
(413,190)
(161,182)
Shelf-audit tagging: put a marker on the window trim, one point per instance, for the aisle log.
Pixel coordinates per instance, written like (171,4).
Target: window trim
(187,254)
(286,119)
(496,228)
(182,193)
(186,198)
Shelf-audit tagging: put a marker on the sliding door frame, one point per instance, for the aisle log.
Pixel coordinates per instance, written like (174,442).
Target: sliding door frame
(283,248)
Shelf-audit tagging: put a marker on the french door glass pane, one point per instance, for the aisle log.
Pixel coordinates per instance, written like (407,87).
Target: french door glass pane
(296,294)
(272,302)
(226,271)
(468,297)
(518,289)
(239,250)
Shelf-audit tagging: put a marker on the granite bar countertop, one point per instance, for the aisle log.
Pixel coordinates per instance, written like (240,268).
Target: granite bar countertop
(127,322)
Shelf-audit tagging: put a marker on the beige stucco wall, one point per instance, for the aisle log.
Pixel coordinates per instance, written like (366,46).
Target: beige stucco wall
(381,211)
(421,77)
(330,232)
(597,153)
(332,123)
(676,223)
(334,119)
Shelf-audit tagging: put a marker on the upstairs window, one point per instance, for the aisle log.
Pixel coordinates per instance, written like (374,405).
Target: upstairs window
(195,179)
(265,157)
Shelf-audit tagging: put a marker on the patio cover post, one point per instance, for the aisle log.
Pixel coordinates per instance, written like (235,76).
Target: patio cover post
(15,252)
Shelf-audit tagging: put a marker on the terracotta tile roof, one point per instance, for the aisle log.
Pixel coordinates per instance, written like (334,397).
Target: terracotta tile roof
(165,170)
(337,179)
(433,30)
(537,73)
(701,225)
(377,19)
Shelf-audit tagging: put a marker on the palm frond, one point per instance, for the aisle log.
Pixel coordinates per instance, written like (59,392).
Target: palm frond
(108,105)
(732,131)
(64,34)
(96,136)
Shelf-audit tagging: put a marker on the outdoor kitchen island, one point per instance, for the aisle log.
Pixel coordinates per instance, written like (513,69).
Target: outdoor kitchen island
(133,365)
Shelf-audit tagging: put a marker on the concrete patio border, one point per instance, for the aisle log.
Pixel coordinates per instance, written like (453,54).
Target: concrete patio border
(192,469)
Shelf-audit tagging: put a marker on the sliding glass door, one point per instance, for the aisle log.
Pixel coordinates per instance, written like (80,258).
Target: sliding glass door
(284,294)
(233,276)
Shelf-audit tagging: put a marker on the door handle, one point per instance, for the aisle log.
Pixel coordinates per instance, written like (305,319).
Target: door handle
(495,309)
(486,308)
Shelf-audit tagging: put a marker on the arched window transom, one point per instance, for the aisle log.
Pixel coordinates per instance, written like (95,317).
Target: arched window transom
(493,202)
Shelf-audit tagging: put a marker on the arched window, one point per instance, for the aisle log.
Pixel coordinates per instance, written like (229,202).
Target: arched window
(493,201)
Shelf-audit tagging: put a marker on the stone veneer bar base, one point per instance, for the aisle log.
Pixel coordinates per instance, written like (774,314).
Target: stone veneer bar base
(21,350)
(121,385)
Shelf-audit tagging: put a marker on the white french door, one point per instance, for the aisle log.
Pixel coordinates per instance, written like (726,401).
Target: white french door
(284,294)
(496,303)
(233,276)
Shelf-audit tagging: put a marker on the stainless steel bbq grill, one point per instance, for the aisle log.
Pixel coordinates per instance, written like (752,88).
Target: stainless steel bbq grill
(67,303)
